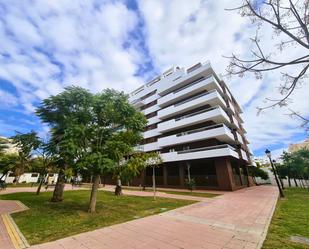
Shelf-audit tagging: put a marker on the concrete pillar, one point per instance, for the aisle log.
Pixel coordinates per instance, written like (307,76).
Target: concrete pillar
(225,174)
(164,175)
(250,180)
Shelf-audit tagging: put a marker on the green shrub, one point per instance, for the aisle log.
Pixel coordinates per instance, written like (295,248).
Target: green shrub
(190,184)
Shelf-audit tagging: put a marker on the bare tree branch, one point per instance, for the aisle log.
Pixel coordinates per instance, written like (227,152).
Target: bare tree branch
(291,21)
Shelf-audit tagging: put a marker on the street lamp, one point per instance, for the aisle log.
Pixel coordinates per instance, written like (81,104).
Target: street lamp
(268,154)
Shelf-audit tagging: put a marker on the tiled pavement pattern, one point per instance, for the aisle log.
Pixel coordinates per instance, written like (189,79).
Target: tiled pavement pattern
(160,193)
(234,220)
(5,208)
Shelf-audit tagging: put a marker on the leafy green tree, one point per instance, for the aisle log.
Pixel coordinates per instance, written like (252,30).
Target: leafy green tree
(297,164)
(103,144)
(8,162)
(93,132)
(258,172)
(63,112)
(26,143)
(3,145)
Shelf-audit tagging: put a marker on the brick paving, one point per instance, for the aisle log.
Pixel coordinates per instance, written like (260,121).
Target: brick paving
(7,207)
(234,220)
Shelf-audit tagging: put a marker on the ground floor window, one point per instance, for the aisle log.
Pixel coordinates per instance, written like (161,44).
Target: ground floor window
(236,173)
(203,172)
(173,177)
(158,173)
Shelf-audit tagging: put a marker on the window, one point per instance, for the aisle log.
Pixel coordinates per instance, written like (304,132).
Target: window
(34,175)
(51,175)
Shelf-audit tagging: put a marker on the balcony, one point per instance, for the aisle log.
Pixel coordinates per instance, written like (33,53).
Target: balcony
(244,155)
(235,124)
(212,98)
(153,120)
(139,148)
(150,109)
(150,99)
(137,103)
(151,133)
(219,131)
(231,108)
(205,152)
(146,147)
(216,114)
(209,83)
(151,147)
(182,77)
(239,138)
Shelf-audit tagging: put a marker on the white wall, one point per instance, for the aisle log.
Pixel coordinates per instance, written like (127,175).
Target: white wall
(26,177)
(272,179)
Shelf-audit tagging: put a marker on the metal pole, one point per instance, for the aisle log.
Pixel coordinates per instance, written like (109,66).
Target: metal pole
(277,181)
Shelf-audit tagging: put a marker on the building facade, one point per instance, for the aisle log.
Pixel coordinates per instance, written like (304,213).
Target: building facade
(194,122)
(299,146)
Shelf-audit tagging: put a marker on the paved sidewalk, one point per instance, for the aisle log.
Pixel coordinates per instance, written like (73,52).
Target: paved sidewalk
(7,207)
(234,220)
(111,188)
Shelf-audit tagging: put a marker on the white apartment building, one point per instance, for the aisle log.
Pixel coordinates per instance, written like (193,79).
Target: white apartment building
(194,123)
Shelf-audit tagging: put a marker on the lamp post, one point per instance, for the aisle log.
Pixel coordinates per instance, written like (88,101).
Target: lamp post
(268,154)
(280,179)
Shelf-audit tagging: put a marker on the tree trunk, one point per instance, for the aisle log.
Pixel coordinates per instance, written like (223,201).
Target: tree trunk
(154,182)
(3,175)
(302,183)
(281,182)
(296,185)
(289,180)
(118,189)
(58,192)
(254,180)
(93,196)
(38,191)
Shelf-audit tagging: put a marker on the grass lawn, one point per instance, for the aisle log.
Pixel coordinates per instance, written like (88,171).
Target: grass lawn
(291,218)
(46,221)
(189,193)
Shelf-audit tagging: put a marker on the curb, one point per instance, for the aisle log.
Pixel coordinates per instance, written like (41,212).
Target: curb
(264,235)
(16,236)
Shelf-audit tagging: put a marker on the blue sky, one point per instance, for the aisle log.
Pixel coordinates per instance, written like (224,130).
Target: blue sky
(48,45)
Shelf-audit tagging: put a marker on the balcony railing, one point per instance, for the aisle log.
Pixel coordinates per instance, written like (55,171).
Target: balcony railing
(193,98)
(196,113)
(199,129)
(192,83)
(222,146)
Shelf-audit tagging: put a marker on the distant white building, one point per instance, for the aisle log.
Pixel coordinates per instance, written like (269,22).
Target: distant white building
(261,160)
(24,178)
(11,148)
(31,177)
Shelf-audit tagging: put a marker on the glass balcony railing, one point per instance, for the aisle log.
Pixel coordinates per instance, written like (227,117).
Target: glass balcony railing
(194,97)
(196,113)
(199,130)
(222,146)
(192,83)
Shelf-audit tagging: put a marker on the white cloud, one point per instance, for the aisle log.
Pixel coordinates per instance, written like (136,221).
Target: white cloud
(53,44)
(7,99)
(47,45)
(183,34)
